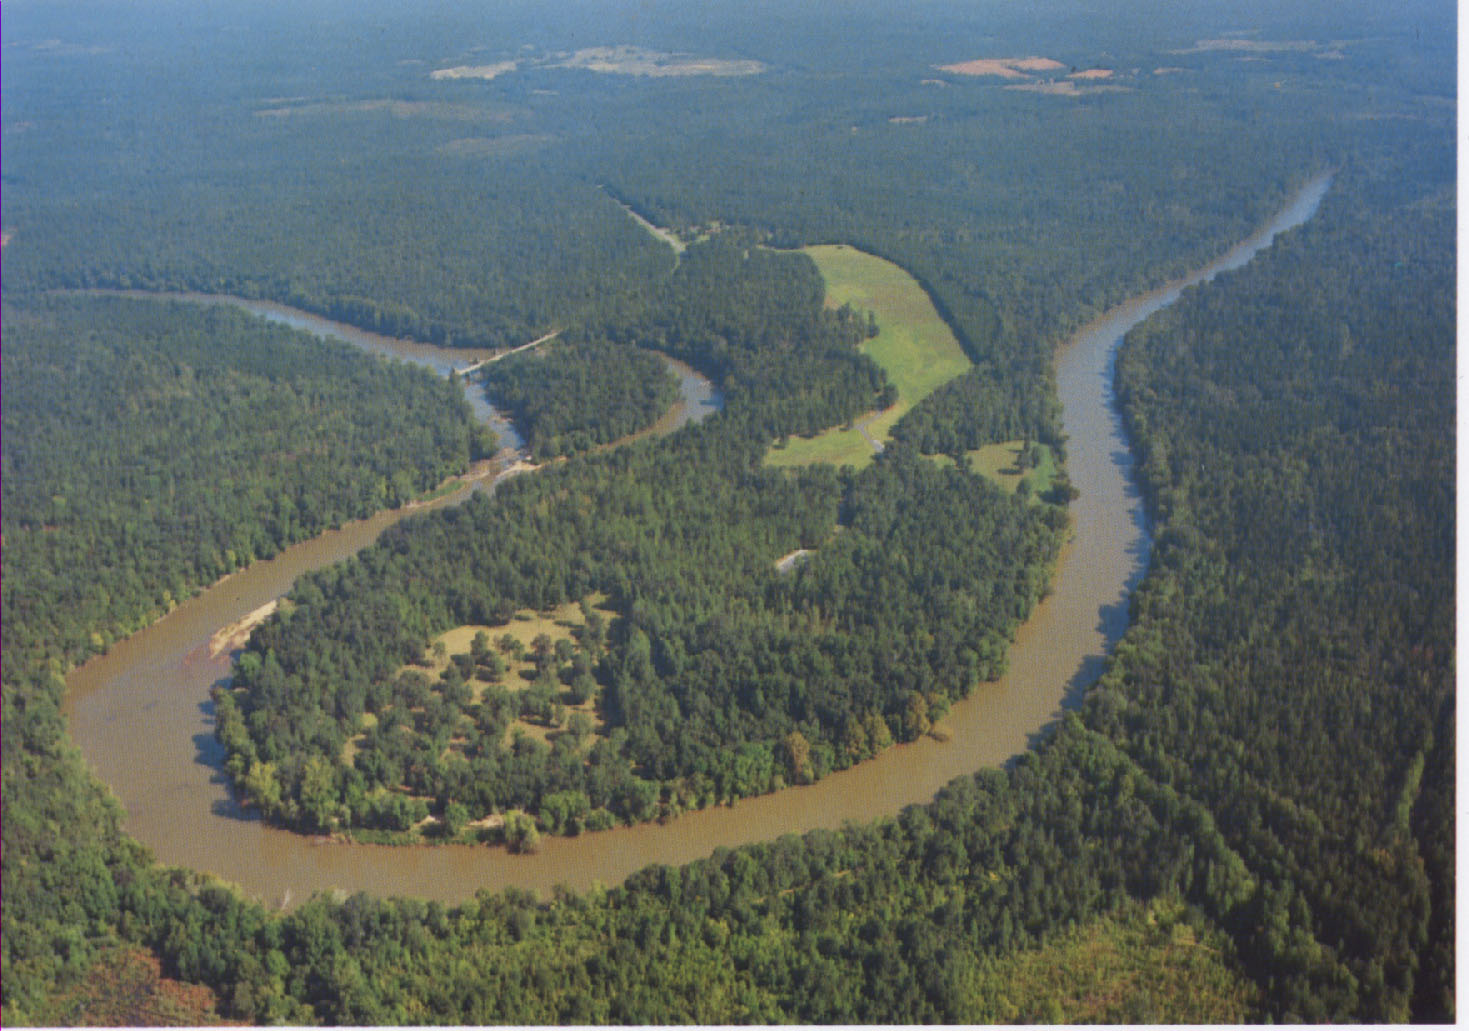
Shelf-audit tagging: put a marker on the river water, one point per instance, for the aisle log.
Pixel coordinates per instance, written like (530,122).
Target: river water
(141,713)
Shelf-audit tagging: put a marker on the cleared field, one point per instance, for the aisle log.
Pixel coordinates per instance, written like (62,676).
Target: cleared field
(1137,965)
(1001,463)
(913,345)
(520,666)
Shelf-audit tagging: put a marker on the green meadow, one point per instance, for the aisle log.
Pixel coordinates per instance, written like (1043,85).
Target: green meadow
(914,346)
(1001,463)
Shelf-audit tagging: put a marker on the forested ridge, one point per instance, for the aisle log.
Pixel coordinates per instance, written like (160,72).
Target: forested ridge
(1252,813)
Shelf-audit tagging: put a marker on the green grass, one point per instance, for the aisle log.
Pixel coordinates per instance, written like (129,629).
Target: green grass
(914,346)
(997,463)
(1144,963)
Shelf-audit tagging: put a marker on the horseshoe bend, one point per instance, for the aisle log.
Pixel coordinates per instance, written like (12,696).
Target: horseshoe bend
(629,514)
(178,805)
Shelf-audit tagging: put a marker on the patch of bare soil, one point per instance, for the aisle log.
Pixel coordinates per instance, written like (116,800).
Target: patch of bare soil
(788,561)
(227,639)
(1067,88)
(1092,73)
(476,71)
(1004,67)
(434,109)
(626,60)
(1252,46)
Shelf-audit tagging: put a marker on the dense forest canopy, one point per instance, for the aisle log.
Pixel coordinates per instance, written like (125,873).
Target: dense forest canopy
(1252,815)
(181,443)
(571,396)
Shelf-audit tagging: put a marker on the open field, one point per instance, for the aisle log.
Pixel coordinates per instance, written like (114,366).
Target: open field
(914,346)
(430,109)
(1137,965)
(524,627)
(611,60)
(999,462)
(476,71)
(630,60)
(1004,67)
(1067,88)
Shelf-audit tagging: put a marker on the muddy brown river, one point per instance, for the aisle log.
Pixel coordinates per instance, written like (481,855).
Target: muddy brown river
(141,713)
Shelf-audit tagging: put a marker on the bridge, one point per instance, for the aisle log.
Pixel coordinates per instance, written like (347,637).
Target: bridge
(506,354)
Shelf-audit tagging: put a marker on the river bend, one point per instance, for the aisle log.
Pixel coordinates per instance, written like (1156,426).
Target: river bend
(141,713)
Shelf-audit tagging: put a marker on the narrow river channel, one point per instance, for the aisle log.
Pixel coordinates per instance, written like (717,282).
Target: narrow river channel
(141,712)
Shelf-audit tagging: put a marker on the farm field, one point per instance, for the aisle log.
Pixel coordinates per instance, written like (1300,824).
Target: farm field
(914,346)
(1001,463)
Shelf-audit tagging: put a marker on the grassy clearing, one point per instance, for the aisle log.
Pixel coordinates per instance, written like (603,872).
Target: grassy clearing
(1139,965)
(1000,463)
(914,346)
(125,987)
(520,672)
(834,447)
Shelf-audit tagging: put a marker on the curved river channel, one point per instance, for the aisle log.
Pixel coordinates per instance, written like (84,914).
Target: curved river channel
(141,713)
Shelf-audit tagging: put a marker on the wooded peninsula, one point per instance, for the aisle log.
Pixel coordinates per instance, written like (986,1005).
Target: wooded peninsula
(873,233)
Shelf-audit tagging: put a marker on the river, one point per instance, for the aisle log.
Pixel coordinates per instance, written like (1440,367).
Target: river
(153,688)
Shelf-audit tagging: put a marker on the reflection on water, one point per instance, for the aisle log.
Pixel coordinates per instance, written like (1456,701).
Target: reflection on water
(154,688)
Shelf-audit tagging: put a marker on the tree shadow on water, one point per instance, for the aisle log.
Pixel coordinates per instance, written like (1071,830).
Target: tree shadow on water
(209,752)
(1112,621)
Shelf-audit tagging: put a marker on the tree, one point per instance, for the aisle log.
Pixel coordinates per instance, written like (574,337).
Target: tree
(798,758)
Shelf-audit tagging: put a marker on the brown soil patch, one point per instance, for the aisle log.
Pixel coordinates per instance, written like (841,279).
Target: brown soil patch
(1004,67)
(1037,64)
(788,561)
(1067,88)
(432,109)
(1251,46)
(1092,73)
(626,60)
(227,639)
(478,71)
(126,988)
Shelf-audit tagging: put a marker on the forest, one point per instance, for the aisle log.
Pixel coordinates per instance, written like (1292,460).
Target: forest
(271,436)
(1250,817)
(572,396)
